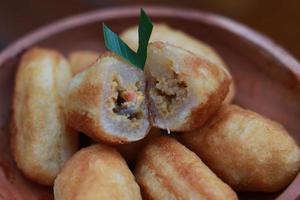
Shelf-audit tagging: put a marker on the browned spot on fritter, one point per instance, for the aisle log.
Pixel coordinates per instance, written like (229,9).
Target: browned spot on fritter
(87,166)
(147,160)
(82,168)
(82,122)
(88,93)
(25,92)
(252,175)
(157,44)
(177,152)
(202,113)
(215,71)
(192,171)
(171,149)
(193,63)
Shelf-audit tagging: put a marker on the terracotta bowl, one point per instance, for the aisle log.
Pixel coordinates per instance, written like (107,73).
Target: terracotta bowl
(267,77)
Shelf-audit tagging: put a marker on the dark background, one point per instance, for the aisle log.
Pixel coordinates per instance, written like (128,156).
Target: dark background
(278,19)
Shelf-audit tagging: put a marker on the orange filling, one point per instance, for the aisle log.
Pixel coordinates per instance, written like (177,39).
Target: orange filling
(168,94)
(127,102)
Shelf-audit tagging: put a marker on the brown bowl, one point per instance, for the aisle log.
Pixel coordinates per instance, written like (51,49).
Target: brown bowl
(267,77)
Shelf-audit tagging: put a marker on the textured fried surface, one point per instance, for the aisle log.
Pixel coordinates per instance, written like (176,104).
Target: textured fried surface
(81,60)
(164,33)
(131,150)
(96,172)
(191,86)
(41,141)
(89,101)
(247,150)
(168,170)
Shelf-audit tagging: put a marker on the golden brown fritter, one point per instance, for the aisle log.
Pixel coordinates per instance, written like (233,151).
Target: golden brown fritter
(164,33)
(131,150)
(80,60)
(183,89)
(96,172)
(168,170)
(246,150)
(41,140)
(107,101)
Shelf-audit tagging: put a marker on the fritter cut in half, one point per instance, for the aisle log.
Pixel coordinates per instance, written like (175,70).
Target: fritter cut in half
(183,89)
(165,33)
(107,101)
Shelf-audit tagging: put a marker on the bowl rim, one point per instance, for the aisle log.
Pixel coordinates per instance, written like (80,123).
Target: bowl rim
(254,37)
(275,51)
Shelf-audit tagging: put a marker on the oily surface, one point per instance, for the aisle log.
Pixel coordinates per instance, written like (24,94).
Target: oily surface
(87,103)
(96,172)
(264,84)
(206,86)
(41,140)
(190,178)
(164,33)
(131,150)
(246,150)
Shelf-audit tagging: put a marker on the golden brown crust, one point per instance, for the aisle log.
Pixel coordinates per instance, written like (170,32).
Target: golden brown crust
(84,121)
(205,111)
(33,173)
(40,139)
(164,33)
(88,125)
(168,170)
(247,150)
(86,98)
(205,87)
(131,150)
(80,60)
(96,172)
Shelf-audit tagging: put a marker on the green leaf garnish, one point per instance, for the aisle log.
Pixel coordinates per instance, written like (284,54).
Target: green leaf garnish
(114,43)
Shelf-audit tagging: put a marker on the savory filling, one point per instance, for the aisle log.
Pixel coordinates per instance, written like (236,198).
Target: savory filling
(126,102)
(168,94)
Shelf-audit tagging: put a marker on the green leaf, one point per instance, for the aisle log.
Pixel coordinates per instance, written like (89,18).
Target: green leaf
(145,30)
(114,43)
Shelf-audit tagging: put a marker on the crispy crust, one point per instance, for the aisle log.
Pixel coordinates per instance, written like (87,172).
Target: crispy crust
(164,33)
(32,174)
(130,151)
(39,148)
(83,101)
(192,69)
(96,172)
(260,155)
(84,123)
(190,178)
(204,112)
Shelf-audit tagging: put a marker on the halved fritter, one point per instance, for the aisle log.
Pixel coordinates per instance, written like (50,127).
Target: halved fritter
(184,90)
(107,101)
(165,33)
